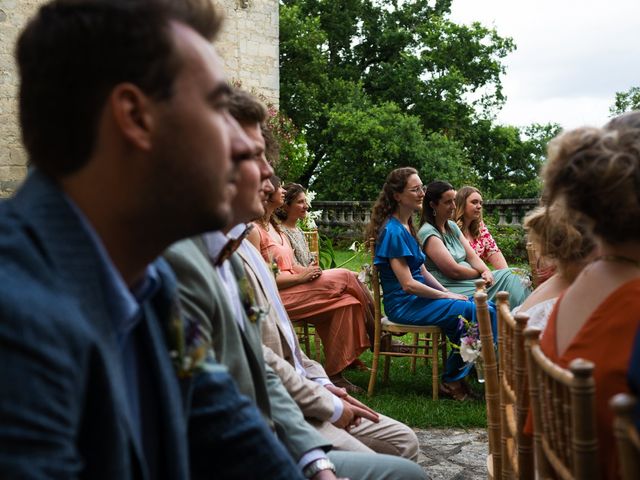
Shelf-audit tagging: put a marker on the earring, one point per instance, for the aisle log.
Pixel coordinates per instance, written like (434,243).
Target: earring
(434,213)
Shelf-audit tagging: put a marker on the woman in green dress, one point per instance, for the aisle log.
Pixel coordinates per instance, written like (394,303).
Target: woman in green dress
(451,259)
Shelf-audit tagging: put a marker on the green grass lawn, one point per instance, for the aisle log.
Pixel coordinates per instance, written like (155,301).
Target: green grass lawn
(407,397)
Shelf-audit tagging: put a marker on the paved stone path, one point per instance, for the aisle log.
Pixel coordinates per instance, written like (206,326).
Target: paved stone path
(454,454)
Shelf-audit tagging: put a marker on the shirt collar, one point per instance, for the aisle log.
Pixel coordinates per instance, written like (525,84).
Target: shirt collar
(124,303)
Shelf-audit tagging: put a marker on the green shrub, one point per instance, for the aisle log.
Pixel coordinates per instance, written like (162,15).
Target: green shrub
(511,240)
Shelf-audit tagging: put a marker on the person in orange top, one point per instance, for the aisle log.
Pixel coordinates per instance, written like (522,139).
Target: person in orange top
(595,173)
(335,303)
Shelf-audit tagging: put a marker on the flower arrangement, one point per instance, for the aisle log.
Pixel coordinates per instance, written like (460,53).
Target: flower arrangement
(525,277)
(470,345)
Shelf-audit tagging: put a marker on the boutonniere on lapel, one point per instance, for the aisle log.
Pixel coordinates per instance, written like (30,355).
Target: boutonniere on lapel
(255,313)
(187,346)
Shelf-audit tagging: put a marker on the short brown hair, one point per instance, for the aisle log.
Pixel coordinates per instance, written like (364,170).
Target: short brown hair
(246,108)
(72,54)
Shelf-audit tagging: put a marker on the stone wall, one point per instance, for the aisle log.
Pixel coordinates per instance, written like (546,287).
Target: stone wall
(248,44)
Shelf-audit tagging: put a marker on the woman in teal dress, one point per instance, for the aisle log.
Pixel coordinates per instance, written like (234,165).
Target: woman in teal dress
(451,259)
(411,294)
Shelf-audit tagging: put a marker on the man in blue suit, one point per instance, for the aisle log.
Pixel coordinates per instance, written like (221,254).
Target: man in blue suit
(123,111)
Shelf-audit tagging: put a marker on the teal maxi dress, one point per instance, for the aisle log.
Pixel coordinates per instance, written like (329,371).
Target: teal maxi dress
(505,279)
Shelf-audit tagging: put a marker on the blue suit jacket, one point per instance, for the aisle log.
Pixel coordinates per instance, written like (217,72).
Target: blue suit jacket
(63,408)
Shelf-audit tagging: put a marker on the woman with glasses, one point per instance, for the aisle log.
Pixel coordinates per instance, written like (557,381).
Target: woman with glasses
(451,259)
(412,296)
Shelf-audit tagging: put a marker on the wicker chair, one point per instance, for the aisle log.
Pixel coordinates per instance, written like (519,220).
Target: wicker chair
(563,408)
(491,386)
(627,435)
(428,339)
(516,447)
(304,329)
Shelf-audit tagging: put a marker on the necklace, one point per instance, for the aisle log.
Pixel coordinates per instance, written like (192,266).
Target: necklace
(618,259)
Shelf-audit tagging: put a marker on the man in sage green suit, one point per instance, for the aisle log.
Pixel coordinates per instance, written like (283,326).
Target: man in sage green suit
(215,293)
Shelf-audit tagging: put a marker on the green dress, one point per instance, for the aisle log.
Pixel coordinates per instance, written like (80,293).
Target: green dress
(508,279)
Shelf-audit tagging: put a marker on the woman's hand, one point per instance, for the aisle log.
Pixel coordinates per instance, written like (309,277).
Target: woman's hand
(311,273)
(456,296)
(487,276)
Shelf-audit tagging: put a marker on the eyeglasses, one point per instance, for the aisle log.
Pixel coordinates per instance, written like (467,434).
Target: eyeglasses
(418,190)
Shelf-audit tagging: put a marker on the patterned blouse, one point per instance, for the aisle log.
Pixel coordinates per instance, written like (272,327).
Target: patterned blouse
(484,245)
(299,244)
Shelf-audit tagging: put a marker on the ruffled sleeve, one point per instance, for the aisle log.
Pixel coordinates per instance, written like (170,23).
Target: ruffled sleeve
(394,242)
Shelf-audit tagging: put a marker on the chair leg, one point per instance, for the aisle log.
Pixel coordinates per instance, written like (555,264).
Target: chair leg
(307,345)
(387,362)
(317,344)
(416,338)
(435,377)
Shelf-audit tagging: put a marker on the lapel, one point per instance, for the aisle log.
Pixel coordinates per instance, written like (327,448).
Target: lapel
(157,314)
(73,260)
(286,348)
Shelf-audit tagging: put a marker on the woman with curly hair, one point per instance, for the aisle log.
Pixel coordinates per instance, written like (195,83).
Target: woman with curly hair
(468,217)
(595,174)
(450,258)
(562,240)
(335,303)
(411,295)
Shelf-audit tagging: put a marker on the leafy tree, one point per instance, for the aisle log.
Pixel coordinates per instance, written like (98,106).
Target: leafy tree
(368,140)
(365,52)
(626,101)
(507,160)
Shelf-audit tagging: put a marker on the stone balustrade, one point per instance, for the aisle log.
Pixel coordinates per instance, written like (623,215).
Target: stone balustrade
(349,218)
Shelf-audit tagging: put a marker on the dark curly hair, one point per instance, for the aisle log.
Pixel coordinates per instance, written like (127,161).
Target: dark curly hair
(596,172)
(386,204)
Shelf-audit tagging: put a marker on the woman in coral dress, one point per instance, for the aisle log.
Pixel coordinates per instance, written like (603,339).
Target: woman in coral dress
(334,302)
(595,173)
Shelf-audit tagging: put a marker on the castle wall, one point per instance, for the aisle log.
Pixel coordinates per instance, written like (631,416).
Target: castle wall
(248,44)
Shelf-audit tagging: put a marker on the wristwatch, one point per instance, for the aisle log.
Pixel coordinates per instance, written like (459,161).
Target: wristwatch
(317,466)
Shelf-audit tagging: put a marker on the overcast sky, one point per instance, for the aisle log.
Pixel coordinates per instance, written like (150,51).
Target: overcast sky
(571,57)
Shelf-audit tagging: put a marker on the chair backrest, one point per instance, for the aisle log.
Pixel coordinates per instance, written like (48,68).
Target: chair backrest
(564,420)
(375,286)
(532,256)
(516,447)
(491,386)
(627,435)
(313,242)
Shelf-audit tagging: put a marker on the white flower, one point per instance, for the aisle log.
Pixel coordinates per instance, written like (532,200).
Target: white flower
(354,246)
(469,352)
(310,196)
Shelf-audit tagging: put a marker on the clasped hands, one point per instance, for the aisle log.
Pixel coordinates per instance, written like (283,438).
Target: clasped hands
(353,410)
(487,276)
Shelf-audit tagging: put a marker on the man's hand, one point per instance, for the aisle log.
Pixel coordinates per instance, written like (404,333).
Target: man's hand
(326,475)
(352,415)
(346,398)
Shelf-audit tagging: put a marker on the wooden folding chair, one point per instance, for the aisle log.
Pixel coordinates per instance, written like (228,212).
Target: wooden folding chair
(564,420)
(305,330)
(627,435)
(516,448)
(428,339)
(491,385)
